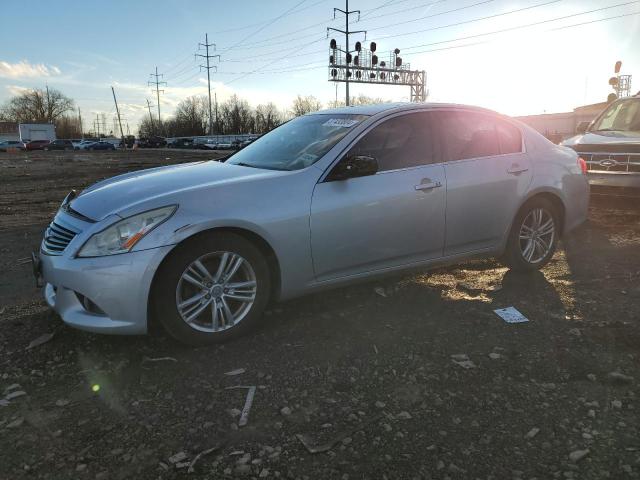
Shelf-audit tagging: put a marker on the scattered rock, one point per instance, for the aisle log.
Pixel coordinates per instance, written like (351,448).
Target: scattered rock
(15,394)
(578,455)
(591,377)
(62,402)
(234,412)
(237,371)
(44,338)
(619,378)
(575,331)
(532,433)
(285,411)
(494,356)
(178,457)
(616,404)
(404,416)
(380,291)
(380,404)
(81,467)
(16,423)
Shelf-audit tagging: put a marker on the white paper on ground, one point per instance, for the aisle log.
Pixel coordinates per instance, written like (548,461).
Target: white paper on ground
(511,315)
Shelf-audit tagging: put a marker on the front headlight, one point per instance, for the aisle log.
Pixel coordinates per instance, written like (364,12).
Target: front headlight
(123,235)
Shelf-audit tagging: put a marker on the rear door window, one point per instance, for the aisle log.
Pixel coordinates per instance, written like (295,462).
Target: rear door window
(468,135)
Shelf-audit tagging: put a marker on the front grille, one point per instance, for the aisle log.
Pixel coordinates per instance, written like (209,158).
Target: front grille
(612,162)
(57,237)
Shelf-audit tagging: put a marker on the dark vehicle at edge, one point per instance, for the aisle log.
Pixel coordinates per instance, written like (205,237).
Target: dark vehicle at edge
(59,145)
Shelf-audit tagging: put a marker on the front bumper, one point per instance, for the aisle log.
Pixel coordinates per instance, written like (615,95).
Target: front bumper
(118,285)
(614,179)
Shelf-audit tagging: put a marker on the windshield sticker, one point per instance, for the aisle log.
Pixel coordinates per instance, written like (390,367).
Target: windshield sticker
(307,158)
(340,122)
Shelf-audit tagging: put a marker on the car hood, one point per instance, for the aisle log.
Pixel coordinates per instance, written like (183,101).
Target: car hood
(604,138)
(119,193)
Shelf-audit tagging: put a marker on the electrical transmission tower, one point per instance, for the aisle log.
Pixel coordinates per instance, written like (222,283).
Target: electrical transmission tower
(157,83)
(346,33)
(208,67)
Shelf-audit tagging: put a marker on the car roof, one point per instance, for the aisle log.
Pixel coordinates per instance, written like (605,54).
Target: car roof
(376,108)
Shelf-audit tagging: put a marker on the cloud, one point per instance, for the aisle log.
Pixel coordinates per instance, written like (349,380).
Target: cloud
(16,89)
(24,69)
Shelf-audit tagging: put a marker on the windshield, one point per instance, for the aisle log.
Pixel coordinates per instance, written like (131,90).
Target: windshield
(298,143)
(621,116)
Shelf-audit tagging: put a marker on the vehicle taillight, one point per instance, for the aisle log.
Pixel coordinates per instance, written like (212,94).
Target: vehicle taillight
(583,165)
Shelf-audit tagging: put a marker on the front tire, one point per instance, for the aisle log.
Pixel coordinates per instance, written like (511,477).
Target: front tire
(534,236)
(212,288)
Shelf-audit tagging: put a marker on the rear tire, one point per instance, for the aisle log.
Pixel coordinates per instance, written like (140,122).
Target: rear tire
(534,236)
(213,309)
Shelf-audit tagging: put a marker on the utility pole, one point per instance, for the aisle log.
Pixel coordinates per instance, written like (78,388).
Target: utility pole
(150,116)
(206,45)
(216,104)
(80,120)
(157,83)
(98,126)
(346,37)
(124,145)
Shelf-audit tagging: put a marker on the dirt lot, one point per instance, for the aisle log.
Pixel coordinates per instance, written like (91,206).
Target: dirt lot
(375,371)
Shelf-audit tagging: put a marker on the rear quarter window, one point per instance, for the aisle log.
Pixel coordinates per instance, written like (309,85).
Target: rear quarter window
(509,137)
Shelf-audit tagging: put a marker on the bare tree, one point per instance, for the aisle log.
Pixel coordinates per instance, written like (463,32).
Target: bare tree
(68,126)
(192,116)
(303,105)
(267,117)
(37,106)
(237,116)
(359,100)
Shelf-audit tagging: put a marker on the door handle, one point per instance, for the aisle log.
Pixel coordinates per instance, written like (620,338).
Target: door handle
(516,169)
(428,185)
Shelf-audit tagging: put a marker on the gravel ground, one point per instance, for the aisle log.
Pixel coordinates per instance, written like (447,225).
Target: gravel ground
(413,377)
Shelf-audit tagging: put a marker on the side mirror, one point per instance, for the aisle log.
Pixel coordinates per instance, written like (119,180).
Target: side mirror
(582,127)
(353,166)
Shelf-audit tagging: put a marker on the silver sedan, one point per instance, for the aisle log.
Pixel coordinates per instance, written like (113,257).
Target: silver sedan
(326,199)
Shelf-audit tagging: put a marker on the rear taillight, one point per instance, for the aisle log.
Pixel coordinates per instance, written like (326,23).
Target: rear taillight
(583,165)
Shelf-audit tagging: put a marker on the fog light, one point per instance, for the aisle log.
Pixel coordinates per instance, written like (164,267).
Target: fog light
(88,305)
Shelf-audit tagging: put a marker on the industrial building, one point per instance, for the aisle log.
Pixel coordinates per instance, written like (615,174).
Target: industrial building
(559,126)
(26,132)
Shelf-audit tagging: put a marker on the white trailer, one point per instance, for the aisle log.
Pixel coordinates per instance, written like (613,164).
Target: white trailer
(37,131)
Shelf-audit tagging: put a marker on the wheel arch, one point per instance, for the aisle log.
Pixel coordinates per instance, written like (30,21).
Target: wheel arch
(551,195)
(259,241)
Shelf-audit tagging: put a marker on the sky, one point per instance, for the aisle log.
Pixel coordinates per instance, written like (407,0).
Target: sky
(518,57)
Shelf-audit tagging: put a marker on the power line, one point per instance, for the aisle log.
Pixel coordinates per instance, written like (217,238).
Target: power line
(317,64)
(269,23)
(246,27)
(246,47)
(508,29)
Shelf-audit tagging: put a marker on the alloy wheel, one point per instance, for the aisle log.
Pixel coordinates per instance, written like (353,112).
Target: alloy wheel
(537,234)
(216,291)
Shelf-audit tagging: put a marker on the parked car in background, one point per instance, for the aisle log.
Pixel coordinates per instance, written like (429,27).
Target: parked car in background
(610,145)
(76,143)
(224,146)
(59,145)
(152,142)
(185,142)
(84,144)
(36,144)
(325,199)
(101,145)
(9,145)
